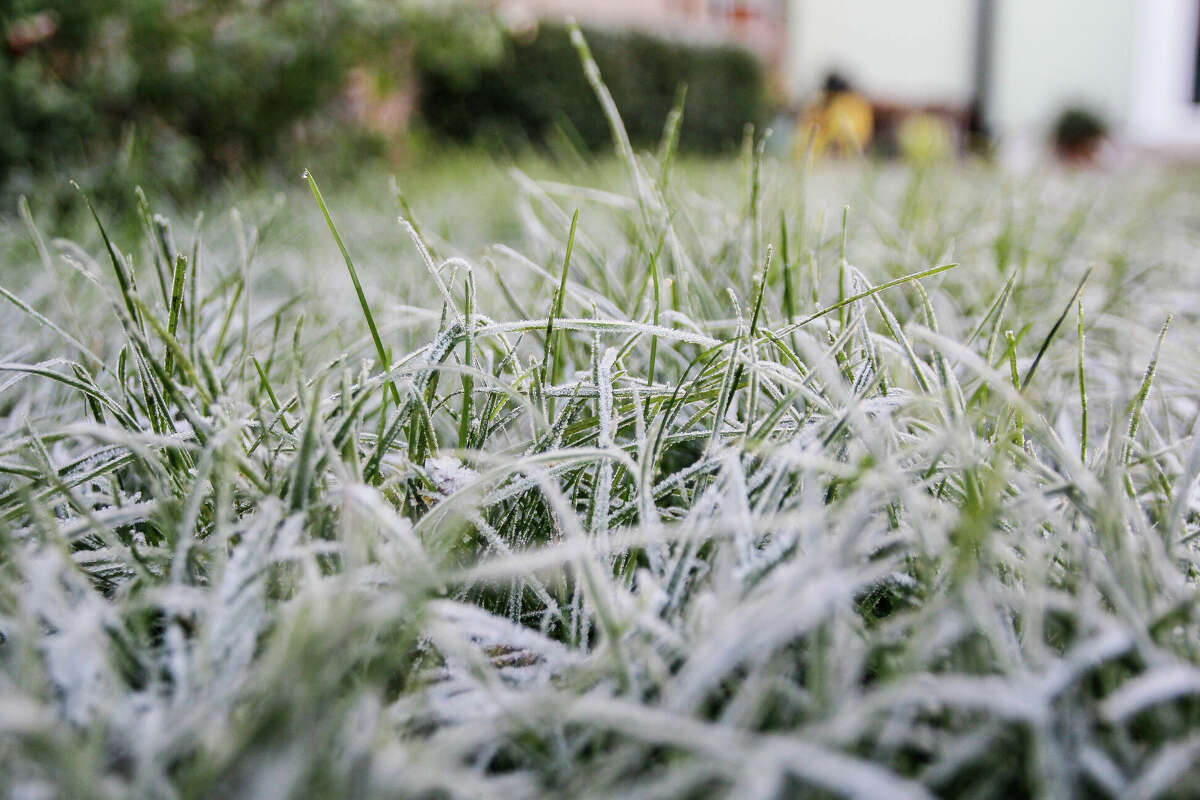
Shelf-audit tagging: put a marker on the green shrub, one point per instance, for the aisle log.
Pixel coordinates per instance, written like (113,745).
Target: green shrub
(216,85)
(1078,127)
(538,85)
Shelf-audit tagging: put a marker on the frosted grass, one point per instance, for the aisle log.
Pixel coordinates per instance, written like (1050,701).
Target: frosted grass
(827,546)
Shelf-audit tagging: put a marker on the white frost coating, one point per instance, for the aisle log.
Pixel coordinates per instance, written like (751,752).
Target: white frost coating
(75,643)
(488,630)
(449,474)
(1154,687)
(604,438)
(1165,770)
(834,771)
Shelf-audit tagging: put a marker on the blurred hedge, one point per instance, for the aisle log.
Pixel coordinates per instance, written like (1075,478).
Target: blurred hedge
(538,84)
(167,91)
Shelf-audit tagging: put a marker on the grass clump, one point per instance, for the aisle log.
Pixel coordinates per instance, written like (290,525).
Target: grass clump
(648,502)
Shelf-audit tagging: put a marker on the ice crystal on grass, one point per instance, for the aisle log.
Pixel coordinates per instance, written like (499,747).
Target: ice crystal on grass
(449,474)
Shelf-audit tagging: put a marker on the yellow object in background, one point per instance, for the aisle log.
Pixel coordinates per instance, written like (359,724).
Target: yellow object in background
(841,124)
(925,139)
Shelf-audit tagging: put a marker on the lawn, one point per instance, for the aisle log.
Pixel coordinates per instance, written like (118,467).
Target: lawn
(633,477)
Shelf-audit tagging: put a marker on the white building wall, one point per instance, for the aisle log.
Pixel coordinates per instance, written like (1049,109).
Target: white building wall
(1161,109)
(1053,53)
(910,51)
(1133,61)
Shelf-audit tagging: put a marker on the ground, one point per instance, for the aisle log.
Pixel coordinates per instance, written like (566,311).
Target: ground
(749,481)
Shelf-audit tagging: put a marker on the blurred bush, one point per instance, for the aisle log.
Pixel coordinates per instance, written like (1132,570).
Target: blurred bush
(176,89)
(1078,133)
(538,84)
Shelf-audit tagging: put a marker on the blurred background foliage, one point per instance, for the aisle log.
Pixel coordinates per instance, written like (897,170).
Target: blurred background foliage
(172,94)
(169,91)
(537,86)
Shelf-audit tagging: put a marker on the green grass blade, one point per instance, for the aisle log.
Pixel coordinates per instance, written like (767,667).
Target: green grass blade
(124,277)
(915,276)
(176,305)
(1053,330)
(551,360)
(384,363)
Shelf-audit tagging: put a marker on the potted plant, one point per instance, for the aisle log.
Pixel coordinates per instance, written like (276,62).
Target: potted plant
(1078,134)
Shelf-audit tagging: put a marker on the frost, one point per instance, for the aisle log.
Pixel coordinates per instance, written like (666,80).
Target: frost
(449,474)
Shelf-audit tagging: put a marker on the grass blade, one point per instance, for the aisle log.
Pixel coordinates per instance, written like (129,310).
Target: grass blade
(384,363)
